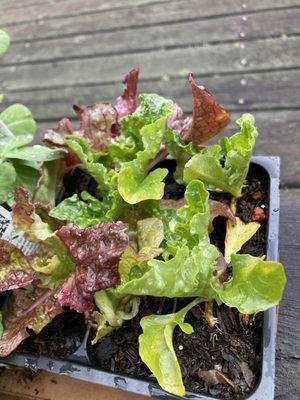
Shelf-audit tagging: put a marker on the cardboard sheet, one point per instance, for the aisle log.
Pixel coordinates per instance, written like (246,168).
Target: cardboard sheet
(19,384)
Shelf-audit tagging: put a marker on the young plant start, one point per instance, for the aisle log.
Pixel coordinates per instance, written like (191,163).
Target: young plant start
(107,246)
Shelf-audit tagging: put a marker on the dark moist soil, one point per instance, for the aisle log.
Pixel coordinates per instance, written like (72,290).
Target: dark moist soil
(232,347)
(60,338)
(118,352)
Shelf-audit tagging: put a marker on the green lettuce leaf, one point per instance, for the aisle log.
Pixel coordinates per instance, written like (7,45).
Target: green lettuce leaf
(189,224)
(49,182)
(134,182)
(4,42)
(113,311)
(150,233)
(236,150)
(36,153)
(157,351)
(7,181)
(187,274)
(256,285)
(19,120)
(81,213)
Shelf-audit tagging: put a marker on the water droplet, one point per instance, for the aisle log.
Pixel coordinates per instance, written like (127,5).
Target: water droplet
(27,45)
(242,45)
(165,78)
(244,61)
(180,347)
(242,34)
(241,101)
(244,5)
(244,18)
(120,383)
(41,22)
(243,82)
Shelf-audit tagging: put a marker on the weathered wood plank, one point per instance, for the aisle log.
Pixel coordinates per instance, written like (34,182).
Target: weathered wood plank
(13,4)
(208,60)
(68,8)
(154,14)
(288,338)
(245,92)
(188,33)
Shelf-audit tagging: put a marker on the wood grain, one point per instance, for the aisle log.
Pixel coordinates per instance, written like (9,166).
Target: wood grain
(257,55)
(186,33)
(45,25)
(288,338)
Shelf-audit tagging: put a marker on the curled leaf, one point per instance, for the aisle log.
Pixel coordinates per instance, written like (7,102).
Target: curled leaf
(219,209)
(237,234)
(127,103)
(256,285)
(114,310)
(224,166)
(208,119)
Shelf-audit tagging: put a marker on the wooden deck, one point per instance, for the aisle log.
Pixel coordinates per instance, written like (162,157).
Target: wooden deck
(246,52)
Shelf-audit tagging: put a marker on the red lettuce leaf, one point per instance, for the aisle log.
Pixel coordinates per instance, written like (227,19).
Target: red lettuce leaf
(208,119)
(96,252)
(15,268)
(127,103)
(23,210)
(56,137)
(29,309)
(97,124)
(71,294)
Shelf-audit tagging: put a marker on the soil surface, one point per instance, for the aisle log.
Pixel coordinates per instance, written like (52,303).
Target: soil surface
(224,361)
(60,338)
(118,352)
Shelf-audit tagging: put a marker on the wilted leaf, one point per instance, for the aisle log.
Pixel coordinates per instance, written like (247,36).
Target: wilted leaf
(237,234)
(214,377)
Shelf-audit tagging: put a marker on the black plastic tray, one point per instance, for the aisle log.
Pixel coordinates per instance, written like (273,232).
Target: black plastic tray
(79,365)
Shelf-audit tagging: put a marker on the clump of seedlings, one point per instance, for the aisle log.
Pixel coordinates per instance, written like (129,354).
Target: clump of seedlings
(157,238)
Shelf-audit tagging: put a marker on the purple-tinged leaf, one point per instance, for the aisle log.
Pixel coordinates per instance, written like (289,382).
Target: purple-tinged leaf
(96,252)
(29,309)
(56,137)
(23,210)
(208,119)
(97,124)
(70,294)
(15,268)
(127,103)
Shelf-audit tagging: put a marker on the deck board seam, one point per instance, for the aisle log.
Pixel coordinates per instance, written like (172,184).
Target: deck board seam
(162,23)
(205,44)
(158,79)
